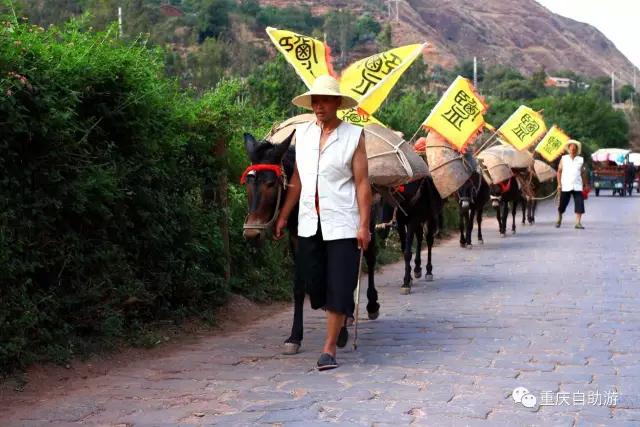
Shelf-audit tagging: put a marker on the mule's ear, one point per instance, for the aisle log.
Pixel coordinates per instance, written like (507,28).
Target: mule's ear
(250,144)
(284,145)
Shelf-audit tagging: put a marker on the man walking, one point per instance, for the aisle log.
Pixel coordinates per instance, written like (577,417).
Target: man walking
(331,184)
(572,182)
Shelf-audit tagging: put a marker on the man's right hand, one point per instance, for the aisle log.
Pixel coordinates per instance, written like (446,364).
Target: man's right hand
(281,224)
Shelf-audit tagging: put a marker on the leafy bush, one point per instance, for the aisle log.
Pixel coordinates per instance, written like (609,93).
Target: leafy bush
(111,215)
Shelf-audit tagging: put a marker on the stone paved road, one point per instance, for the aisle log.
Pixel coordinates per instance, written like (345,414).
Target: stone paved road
(556,311)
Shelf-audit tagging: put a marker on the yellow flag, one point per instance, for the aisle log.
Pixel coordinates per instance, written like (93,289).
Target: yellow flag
(370,80)
(308,56)
(553,143)
(458,116)
(355,117)
(524,128)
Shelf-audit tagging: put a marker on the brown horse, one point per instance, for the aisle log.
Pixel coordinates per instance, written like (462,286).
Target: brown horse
(266,181)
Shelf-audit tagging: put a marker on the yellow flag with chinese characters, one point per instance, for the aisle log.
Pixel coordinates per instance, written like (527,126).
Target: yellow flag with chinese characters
(524,128)
(553,143)
(370,80)
(309,57)
(356,117)
(458,116)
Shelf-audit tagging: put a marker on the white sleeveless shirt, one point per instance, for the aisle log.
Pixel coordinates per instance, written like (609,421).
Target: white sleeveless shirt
(332,172)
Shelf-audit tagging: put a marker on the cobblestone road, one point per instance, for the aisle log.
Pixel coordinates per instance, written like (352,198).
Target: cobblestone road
(555,311)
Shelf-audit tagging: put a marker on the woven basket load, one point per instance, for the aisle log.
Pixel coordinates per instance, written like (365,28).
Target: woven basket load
(280,132)
(544,172)
(392,161)
(449,169)
(512,157)
(494,168)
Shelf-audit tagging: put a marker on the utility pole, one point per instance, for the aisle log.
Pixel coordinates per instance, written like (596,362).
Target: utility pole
(390,12)
(475,72)
(613,88)
(120,21)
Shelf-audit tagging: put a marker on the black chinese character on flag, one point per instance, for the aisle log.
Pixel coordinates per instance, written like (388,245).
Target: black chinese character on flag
(463,109)
(527,127)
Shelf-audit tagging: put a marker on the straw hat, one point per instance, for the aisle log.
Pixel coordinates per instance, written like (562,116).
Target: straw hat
(324,85)
(577,143)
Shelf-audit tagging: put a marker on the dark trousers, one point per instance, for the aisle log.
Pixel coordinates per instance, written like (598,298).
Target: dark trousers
(578,201)
(329,270)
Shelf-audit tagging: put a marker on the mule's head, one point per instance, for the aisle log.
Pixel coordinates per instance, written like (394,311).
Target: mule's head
(265,181)
(466,195)
(497,190)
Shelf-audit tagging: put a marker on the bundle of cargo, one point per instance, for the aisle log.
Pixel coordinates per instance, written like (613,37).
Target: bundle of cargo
(543,171)
(449,169)
(494,168)
(281,131)
(392,161)
(514,158)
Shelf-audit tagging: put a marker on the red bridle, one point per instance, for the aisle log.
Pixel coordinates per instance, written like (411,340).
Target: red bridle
(277,169)
(505,185)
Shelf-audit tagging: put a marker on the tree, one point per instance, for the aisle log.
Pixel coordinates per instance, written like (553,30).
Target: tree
(338,26)
(367,29)
(250,7)
(466,70)
(384,37)
(538,81)
(214,18)
(626,92)
(514,90)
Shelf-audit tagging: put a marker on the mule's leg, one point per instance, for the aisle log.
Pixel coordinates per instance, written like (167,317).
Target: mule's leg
(402,233)
(480,240)
(534,206)
(417,261)
(293,343)
(431,225)
(472,214)
(501,218)
(440,225)
(373,308)
(514,209)
(524,209)
(408,250)
(461,224)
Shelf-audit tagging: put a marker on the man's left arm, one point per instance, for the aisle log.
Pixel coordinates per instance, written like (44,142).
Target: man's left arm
(360,167)
(585,180)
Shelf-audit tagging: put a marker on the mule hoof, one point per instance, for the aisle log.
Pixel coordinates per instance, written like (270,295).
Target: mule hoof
(463,245)
(405,290)
(429,277)
(503,234)
(291,348)
(480,241)
(513,231)
(417,274)
(469,246)
(374,315)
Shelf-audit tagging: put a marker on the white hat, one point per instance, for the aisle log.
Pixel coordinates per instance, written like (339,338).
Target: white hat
(324,85)
(577,144)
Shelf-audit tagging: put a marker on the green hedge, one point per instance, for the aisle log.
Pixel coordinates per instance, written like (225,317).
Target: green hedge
(110,215)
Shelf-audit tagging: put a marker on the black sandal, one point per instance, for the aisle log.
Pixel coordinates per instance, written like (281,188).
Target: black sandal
(327,361)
